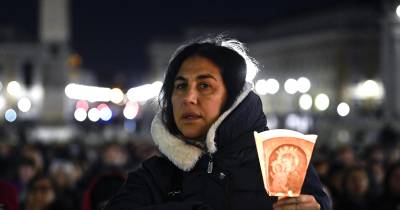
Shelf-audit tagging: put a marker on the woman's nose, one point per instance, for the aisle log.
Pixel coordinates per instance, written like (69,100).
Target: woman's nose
(190,96)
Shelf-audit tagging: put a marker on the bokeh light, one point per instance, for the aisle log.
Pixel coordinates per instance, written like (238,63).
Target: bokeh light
(305,102)
(94,114)
(290,86)
(370,89)
(261,87)
(398,11)
(273,86)
(3,102)
(80,114)
(303,84)
(14,89)
(117,96)
(322,102)
(343,109)
(105,112)
(10,115)
(24,104)
(131,110)
(82,104)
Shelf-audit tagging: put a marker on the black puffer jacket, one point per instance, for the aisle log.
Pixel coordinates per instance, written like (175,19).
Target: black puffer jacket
(227,178)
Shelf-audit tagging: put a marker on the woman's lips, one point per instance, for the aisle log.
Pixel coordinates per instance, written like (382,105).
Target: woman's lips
(190,117)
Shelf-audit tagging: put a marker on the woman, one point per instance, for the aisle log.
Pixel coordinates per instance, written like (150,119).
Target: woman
(205,133)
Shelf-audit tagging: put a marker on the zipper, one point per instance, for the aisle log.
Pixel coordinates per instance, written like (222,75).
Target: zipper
(210,163)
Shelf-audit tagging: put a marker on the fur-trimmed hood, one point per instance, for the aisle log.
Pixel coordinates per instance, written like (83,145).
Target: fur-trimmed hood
(185,155)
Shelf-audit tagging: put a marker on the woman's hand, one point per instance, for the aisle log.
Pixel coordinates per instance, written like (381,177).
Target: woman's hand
(303,202)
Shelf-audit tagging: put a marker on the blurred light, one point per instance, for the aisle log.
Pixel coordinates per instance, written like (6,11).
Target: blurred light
(105,112)
(24,104)
(344,136)
(117,96)
(305,102)
(144,92)
(343,109)
(36,93)
(101,106)
(270,86)
(70,90)
(273,86)
(141,93)
(369,89)
(80,114)
(291,86)
(273,121)
(14,89)
(398,11)
(303,85)
(94,114)
(1,85)
(82,104)
(2,102)
(292,120)
(131,110)
(322,102)
(89,93)
(261,87)
(299,123)
(10,115)
(157,85)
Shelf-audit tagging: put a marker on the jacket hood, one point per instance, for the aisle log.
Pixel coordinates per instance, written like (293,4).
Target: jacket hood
(184,155)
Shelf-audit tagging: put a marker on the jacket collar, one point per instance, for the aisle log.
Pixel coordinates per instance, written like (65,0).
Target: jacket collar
(184,155)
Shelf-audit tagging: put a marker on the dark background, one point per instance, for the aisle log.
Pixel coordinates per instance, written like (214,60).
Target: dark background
(111,36)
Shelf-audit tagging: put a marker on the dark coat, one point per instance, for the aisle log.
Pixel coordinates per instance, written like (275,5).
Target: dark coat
(230,178)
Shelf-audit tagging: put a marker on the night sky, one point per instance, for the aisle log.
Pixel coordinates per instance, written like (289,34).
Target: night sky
(111,35)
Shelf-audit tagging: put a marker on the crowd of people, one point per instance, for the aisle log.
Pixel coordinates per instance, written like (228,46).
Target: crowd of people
(78,176)
(357,177)
(65,176)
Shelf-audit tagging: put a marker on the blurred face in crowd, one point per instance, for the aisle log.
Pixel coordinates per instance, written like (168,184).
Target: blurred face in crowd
(357,183)
(26,173)
(378,173)
(198,96)
(114,155)
(35,155)
(347,156)
(394,181)
(41,195)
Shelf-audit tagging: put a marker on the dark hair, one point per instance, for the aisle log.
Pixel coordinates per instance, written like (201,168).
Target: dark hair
(231,64)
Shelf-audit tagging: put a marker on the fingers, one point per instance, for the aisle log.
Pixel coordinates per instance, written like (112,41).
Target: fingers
(303,202)
(293,200)
(299,206)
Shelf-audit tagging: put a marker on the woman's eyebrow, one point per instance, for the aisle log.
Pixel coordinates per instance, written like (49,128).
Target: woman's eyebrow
(180,78)
(206,76)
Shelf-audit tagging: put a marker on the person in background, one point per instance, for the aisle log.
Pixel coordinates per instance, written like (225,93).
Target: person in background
(390,199)
(356,189)
(204,132)
(100,190)
(42,194)
(8,196)
(65,174)
(25,171)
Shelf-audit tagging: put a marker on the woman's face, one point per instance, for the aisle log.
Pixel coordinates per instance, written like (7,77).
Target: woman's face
(197,98)
(42,193)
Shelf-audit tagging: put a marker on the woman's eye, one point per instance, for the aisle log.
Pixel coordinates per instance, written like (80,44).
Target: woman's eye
(180,86)
(204,85)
